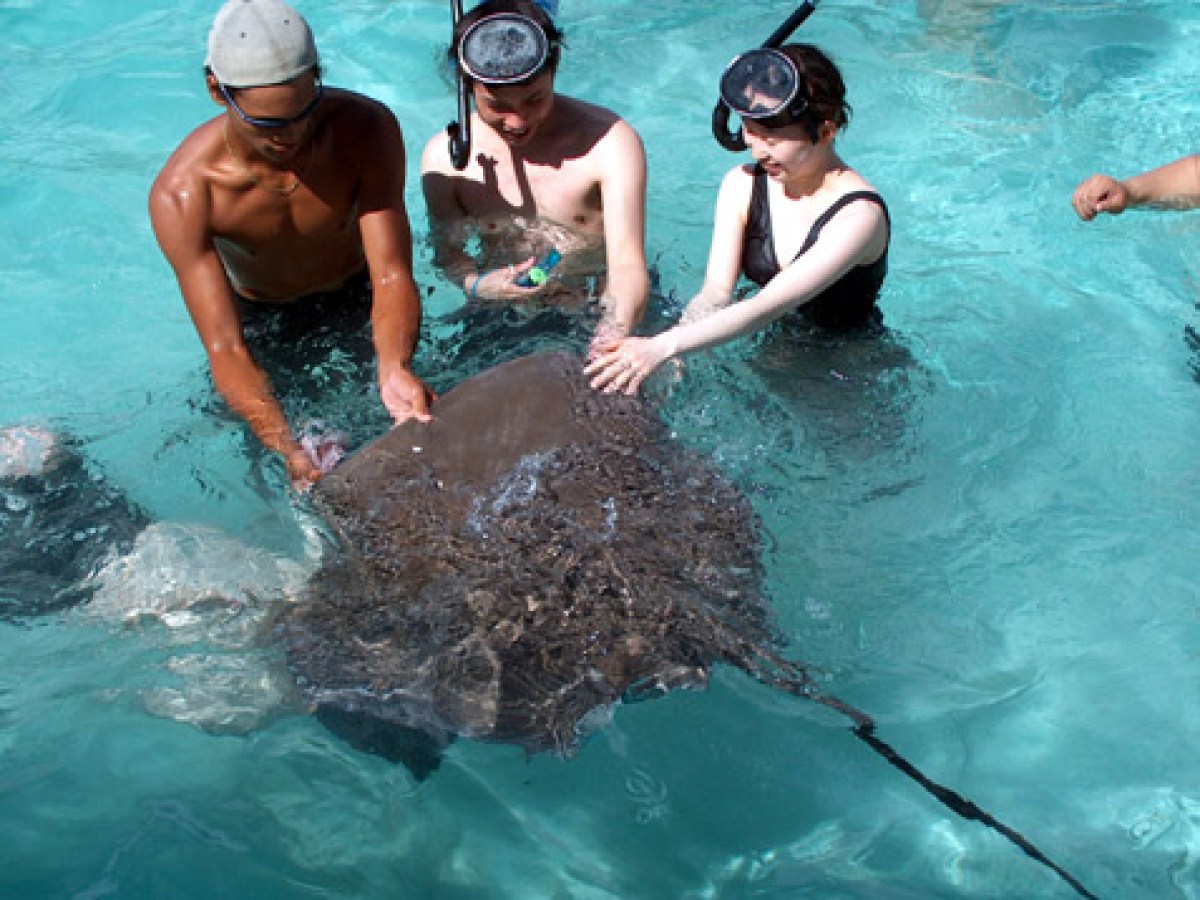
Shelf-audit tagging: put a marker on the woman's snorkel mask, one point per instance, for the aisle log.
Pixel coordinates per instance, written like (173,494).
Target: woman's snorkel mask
(501,49)
(764,85)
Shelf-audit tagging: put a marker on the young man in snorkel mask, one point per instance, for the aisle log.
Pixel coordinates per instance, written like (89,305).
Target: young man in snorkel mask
(285,215)
(547,174)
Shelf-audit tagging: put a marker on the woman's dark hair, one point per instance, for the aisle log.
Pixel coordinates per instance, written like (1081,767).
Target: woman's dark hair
(527,8)
(823,81)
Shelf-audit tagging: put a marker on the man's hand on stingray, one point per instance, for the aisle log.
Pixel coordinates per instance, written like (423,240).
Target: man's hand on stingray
(302,469)
(406,396)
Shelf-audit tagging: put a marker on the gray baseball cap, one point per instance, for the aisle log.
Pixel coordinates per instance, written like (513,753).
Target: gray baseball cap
(259,42)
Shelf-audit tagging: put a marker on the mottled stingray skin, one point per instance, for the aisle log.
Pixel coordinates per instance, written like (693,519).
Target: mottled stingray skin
(509,571)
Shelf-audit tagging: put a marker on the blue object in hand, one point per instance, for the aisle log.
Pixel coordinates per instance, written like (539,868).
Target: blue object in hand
(540,273)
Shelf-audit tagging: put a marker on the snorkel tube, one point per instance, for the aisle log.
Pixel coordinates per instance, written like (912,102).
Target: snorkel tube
(459,132)
(733,140)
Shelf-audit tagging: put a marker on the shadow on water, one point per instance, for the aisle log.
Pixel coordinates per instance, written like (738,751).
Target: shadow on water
(800,407)
(320,357)
(1015,45)
(853,389)
(478,337)
(1191,337)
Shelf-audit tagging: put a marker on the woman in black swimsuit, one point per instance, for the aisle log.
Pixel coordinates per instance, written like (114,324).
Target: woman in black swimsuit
(798,202)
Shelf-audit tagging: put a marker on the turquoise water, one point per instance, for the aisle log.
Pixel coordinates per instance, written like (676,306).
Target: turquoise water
(982,530)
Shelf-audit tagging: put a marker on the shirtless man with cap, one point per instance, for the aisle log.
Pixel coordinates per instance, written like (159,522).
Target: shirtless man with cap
(547,172)
(292,192)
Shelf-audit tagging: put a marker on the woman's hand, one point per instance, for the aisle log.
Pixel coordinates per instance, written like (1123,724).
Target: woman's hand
(624,365)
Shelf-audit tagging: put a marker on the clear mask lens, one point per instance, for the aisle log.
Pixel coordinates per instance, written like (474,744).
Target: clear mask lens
(503,49)
(761,84)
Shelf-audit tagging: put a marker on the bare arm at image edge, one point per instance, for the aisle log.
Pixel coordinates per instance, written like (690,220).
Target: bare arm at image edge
(1173,186)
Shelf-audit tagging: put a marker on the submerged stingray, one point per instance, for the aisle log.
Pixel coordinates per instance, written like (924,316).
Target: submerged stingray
(60,521)
(535,555)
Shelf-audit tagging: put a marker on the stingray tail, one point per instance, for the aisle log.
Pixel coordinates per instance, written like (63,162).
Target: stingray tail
(794,679)
(962,806)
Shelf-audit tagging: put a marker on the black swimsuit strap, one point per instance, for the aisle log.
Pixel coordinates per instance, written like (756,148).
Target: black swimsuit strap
(834,208)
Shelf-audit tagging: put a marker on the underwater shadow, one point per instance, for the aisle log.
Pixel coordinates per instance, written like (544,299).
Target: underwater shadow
(60,521)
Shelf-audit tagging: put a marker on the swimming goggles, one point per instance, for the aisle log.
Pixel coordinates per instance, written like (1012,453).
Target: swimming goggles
(273,122)
(764,85)
(506,48)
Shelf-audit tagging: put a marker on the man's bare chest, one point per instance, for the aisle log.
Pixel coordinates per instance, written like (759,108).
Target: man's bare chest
(265,218)
(565,193)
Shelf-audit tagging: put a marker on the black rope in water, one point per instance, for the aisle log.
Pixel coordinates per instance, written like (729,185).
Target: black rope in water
(789,676)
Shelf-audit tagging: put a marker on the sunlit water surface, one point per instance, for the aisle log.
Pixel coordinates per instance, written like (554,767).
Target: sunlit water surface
(981,529)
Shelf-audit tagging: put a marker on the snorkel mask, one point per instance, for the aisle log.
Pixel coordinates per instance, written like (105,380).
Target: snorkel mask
(505,48)
(764,85)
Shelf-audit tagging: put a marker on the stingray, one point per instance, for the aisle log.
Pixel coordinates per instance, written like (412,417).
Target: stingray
(535,556)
